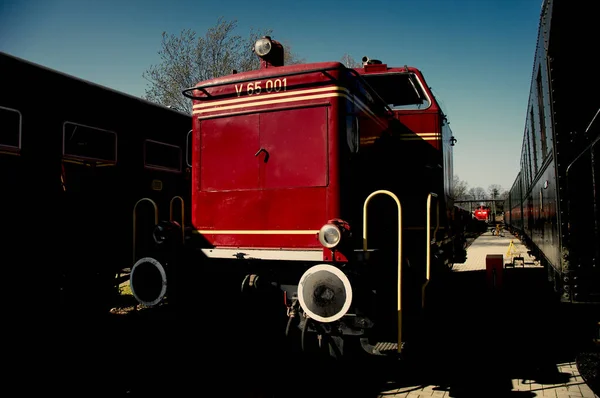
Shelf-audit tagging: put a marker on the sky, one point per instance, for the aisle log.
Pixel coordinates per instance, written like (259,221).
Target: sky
(477,55)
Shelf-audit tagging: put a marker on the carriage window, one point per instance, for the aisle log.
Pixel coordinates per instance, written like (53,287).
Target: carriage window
(159,155)
(10,129)
(188,153)
(87,142)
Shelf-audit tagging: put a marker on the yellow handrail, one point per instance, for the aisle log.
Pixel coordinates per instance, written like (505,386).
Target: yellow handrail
(134,220)
(365,246)
(429,242)
(182,214)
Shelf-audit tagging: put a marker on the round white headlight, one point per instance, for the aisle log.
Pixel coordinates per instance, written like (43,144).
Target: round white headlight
(262,47)
(330,235)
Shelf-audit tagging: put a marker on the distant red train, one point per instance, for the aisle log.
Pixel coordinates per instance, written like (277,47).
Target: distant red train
(332,184)
(482,213)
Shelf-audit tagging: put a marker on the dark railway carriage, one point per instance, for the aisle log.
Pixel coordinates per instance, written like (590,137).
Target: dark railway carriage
(75,159)
(513,214)
(312,185)
(555,200)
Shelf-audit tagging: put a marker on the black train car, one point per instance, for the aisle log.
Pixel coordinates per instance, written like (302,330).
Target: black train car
(554,203)
(76,159)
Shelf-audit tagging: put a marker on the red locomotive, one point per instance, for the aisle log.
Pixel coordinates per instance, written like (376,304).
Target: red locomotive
(332,184)
(482,213)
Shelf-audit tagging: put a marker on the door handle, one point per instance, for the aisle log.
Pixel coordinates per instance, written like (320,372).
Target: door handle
(266,153)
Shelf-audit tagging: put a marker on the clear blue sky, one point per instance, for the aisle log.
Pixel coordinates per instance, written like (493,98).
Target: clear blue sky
(477,55)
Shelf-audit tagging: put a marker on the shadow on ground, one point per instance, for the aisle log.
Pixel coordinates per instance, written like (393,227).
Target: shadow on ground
(475,340)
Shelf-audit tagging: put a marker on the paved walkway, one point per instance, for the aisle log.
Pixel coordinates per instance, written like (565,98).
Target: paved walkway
(492,244)
(565,380)
(572,387)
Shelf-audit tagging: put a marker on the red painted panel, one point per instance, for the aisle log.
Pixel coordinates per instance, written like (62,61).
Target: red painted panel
(296,141)
(302,209)
(250,197)
(423,123)
(494,267)
(228,148)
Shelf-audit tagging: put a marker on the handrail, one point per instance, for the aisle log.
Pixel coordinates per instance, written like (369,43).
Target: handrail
(590,146)
(182,215)
(586,149)
(365,247)
(593,120)
(203,88)
(275,75)
(429,242)
(134,220)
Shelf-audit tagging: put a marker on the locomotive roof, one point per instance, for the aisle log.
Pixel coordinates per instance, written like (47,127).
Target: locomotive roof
(257,73)
(279,71)
(87,82)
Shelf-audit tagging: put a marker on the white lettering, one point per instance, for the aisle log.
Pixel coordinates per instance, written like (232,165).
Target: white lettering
(255,88)
(238,89)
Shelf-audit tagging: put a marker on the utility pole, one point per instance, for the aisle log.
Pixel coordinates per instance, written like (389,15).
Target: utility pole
(494,194)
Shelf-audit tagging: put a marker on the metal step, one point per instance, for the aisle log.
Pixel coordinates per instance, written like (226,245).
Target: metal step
(387,348)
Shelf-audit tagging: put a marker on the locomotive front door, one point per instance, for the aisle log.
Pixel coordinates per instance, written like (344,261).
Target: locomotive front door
(262,172)
(271,150)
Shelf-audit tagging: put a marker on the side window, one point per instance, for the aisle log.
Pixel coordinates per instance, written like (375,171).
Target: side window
(542,113)
(10,130)
(188,152)
(161,156)
(352,127)
(89,143)
(534,143)
(352,135)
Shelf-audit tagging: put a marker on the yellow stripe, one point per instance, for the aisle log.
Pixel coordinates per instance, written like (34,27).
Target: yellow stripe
(257,232)
(421,136)
(418,139)
(297,95)
(269,102)
(258,97)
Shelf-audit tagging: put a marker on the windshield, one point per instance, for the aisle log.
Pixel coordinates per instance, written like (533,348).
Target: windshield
(399,90)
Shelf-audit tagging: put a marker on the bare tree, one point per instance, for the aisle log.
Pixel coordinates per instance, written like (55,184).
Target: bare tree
(187,59)
(289,57)
(495,191)
(350,62)
(459,188)
(477,193)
